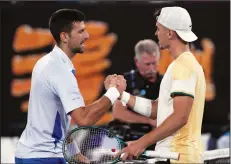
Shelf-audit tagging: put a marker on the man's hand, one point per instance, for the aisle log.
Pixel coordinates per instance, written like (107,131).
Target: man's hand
(117,81)
(121,84)
(132,151)
(82,159)
(110,81)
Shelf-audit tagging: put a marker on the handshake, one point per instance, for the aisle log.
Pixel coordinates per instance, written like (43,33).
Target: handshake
(116,81)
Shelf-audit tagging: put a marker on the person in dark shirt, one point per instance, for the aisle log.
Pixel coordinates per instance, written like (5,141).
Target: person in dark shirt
(144,81)
(140,86)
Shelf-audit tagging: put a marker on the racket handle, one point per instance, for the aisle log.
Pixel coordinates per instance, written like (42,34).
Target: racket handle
(162,154)
(121,156)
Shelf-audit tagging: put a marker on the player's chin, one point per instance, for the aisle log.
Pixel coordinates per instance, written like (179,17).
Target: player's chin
(78,50)
(81,50)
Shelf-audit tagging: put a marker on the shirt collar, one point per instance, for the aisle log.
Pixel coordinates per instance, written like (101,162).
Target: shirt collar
(63,57)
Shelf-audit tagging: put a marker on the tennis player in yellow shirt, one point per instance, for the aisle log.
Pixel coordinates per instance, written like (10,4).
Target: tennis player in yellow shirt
(180,105)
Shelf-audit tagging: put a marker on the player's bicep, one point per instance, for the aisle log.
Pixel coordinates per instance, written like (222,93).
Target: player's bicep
(183,90)
(182,106)
(67,90)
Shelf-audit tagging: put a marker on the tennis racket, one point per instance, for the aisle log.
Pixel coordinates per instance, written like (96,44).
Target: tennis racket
(96,145)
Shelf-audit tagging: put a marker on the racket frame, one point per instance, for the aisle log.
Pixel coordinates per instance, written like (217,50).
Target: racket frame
(121,142)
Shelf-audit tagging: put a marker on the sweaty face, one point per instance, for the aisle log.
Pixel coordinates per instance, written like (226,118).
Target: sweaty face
(77,37)
(147,65)
(162,35)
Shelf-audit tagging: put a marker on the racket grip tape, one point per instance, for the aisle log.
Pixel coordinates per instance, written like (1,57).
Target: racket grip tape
(163,154)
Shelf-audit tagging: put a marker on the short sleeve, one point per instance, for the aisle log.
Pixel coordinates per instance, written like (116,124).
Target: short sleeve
(66,87)
(183,81)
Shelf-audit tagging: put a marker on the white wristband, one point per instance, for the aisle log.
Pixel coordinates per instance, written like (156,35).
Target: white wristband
(125,98)
(143,106)
(113,94)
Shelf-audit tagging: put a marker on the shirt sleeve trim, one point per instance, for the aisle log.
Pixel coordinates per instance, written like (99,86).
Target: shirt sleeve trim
(173,94)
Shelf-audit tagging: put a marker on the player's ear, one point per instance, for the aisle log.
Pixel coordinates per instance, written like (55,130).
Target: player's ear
(171,34)
(64,37)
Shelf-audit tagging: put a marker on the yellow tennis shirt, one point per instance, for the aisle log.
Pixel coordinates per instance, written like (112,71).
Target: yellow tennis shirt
(184,76)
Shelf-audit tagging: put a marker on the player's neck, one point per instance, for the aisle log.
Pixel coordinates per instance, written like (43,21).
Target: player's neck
(177,49)
(66,50)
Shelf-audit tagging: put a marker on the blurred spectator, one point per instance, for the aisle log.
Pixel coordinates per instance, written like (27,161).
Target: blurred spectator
(223,141)
(219,137)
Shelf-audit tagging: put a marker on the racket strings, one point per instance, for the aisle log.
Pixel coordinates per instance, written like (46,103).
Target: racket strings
(95,146)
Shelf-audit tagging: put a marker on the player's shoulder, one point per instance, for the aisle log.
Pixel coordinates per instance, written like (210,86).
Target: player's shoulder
(185,66)
(41,64)
(186,61)
(49,68)
(49,62)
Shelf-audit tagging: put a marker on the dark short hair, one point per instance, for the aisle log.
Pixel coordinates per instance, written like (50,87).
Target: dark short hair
(61,21)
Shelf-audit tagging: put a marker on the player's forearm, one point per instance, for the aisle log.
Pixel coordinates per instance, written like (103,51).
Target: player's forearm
(122,113)
(90,114)
(154,109)
(95,111)
(171,125)
(131,102)
(143,106)
(132,117)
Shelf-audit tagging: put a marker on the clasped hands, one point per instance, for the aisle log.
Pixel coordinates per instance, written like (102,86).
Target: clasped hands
(116,81)
(134,148)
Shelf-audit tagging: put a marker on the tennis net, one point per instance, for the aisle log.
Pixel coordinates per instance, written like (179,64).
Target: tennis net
(218,156)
